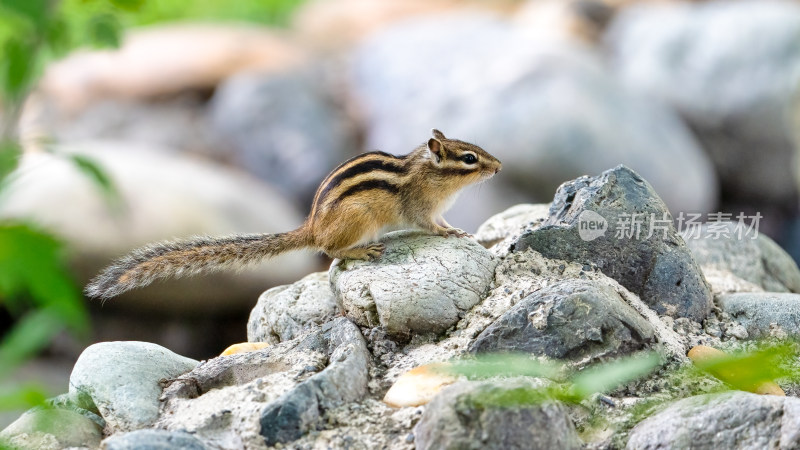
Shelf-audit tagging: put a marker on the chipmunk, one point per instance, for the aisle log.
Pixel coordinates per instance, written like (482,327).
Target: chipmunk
(353,204)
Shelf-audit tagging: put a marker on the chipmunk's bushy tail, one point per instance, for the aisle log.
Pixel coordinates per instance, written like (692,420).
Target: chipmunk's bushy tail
(189,257)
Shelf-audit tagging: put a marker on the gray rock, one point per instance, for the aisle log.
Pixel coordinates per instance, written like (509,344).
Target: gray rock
(733,420)
(161,198)
(591,221)
(276,394)
(504,224)
(548,109)
(757,310)
(752,256)
(421,284)
(284,311)
(52,429)
(283,129)
(120,381)
(572,319)
(732,70)
(153,440)
(463,417)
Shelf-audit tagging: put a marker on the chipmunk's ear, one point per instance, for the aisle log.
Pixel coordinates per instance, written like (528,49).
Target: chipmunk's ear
(436,149)
(438,134)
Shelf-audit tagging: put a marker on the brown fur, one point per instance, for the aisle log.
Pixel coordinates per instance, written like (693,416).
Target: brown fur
(352,205)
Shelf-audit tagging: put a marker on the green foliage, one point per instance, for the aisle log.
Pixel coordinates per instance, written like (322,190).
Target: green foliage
(747,370)
(568,387)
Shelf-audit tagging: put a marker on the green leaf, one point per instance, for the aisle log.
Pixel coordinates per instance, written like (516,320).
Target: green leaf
(22,397)
(96,173)
(746,371)
(34,11)
(486,366)
(105,30)
(10,152)
(29,335)
(30,264)
(57,36)
(18,66)
(608,376)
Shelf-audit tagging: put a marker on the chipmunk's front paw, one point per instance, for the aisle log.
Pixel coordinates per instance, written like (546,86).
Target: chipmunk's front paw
(457,232)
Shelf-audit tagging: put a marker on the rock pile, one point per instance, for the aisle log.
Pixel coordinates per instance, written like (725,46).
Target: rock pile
(543,289)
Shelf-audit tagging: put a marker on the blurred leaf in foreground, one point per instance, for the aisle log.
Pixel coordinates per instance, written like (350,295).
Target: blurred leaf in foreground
(747,371)
(105,31)
(31,268)
(608,376)
(9,158)
(22,397)
(509,365)
(94,172)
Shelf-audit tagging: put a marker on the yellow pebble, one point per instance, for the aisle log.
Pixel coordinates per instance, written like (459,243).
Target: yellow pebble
(244,347)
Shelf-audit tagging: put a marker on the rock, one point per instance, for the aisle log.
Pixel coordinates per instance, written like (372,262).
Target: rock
(751,256)
(737,97)
(283,312)
(757,310)
(160,199)
(179,124)
(548,109)
(421,284)
(244,347)
(154,440)
(418,386)
(165,60)
(120,380)
(572,319)
(51,429)
(732,420)
(339,25)
(592,221)
(270,396)
(463,417)
(282,128)
(504,224)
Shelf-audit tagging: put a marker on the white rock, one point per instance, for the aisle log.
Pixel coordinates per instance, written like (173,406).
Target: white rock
(504,224)
(283,311)
(120,380)
(421,284)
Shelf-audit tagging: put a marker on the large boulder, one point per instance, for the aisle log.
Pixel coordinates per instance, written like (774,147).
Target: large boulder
(618,222)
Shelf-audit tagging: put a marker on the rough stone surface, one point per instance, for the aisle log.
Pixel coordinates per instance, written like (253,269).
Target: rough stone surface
(503,224)
(276,394)
(421,284)
(572,319)
(749,255)
(549,109)
(120,380)
(153,440)
(463,417)
(756,311)
(47,429)
(282,128)
(161,198)
(701,58)
(283,312)
(733,420)
(657,266)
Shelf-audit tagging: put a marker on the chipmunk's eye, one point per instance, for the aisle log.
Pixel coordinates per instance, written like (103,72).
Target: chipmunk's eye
(469,158)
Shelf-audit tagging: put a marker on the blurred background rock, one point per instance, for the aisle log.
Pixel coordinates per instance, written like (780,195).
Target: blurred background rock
(223,117)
